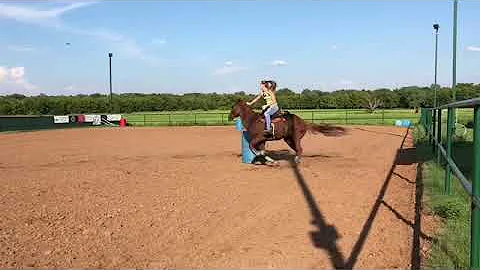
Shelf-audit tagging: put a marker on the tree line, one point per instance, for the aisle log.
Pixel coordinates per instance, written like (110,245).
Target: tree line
(405,97)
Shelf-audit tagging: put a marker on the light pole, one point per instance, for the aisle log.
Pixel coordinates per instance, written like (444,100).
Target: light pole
(436,27)
(434,112)
(110,64)
(454,66)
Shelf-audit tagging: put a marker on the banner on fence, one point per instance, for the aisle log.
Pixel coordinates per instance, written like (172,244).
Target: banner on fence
(80,118)
(97,120)
(114,117)
(60,119)
(88,118)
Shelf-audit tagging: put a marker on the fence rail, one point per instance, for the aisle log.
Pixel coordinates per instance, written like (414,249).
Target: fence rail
(331,116)
(431,119)
(353,116)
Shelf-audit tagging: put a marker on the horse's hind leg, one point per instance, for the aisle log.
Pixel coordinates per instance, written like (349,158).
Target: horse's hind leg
(294,143)
(297,138)
(299,148)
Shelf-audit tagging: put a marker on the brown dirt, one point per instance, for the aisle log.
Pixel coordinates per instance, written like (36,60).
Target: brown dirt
(180,197)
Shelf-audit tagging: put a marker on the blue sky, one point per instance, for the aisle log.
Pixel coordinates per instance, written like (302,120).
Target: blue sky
(228,46)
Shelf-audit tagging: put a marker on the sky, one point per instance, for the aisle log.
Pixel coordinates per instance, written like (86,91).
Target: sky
(61,47)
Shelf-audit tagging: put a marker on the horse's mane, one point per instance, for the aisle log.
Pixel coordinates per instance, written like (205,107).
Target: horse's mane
(250,114)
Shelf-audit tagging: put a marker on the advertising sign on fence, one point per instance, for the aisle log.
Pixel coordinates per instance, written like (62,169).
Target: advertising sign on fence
(114,117)
(60,119)
(97,120)
(88,118)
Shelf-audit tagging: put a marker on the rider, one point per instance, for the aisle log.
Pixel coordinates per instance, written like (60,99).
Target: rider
(268,89)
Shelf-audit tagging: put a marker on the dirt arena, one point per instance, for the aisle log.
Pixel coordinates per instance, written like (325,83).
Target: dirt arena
(180,197)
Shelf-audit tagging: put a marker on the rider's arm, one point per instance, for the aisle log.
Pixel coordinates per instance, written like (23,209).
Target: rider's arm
(254,100)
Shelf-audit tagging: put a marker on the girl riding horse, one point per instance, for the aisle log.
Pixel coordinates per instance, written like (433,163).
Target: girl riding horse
(268,89)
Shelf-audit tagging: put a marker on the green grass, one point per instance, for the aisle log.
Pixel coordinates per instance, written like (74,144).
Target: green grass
(452,243)
(219,117)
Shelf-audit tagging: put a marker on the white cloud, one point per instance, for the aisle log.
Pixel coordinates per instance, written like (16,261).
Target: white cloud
(277,63)
(69,88)
(473,48)
(344,84)
(37,16)
(3,74)
(20,48)
(17,73)
(334,47)
(124,46)
(159,41)
(16,76)
(228,68)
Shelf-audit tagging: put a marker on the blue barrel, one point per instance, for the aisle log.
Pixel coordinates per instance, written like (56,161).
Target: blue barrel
(407,123)
(239,124)
(247,153)
(403,123)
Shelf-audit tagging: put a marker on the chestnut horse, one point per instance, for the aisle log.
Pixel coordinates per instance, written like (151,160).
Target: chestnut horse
(285,125)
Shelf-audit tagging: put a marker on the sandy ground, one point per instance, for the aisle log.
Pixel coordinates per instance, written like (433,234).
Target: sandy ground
(180,197)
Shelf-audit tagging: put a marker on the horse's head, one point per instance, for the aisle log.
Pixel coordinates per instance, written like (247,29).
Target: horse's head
(237,109)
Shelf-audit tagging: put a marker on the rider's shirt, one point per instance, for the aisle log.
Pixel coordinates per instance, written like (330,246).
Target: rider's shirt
(267,96)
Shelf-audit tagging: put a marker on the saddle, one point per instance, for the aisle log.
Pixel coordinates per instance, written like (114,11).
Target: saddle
(279,116)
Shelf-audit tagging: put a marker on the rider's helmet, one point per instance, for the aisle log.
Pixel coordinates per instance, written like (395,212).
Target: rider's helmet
(270,84)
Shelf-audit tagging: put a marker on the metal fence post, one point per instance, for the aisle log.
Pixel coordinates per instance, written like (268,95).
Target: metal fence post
(439,133)
(426,118)
(429,126)
(475,225)
(383,116)
(346,116)
(448,171)
(430,115)
(144,119)
(422,118)
(434,120)
(312,116)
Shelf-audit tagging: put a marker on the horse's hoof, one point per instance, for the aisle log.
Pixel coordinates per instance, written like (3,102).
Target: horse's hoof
(269,159)
(297,159)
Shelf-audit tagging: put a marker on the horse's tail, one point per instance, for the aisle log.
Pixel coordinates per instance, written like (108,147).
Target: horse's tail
(326,129)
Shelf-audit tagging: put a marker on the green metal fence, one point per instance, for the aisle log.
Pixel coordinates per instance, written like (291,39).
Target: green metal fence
(191,118)
(431,119)
(332,116)
(34,122)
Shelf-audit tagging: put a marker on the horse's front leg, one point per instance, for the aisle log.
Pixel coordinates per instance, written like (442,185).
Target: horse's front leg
(255,144)
(258,148)
(262,147)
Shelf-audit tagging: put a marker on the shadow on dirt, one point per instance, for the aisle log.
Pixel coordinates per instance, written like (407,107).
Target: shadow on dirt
(378,132)
(326,235)
(288,156)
